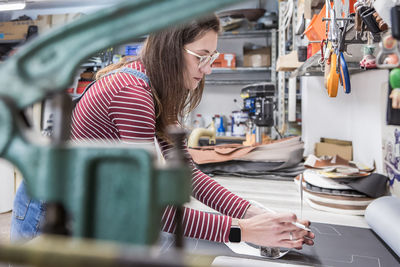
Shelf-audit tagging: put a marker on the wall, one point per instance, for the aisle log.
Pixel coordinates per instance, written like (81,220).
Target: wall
(358,117)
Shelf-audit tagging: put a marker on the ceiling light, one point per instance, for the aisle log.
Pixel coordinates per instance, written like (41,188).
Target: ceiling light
(11,5)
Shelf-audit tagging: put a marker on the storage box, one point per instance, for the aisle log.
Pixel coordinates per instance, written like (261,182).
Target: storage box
(257,58)
(288,62)
(46,22)
(333,147)
(15,30)
(225,60)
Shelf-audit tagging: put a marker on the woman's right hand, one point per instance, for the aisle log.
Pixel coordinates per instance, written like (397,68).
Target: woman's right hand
(275,230)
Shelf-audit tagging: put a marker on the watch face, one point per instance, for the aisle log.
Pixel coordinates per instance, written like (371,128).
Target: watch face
(235,235)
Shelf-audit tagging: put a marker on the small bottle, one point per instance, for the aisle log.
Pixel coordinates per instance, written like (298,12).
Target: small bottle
(221,129)
(216,121)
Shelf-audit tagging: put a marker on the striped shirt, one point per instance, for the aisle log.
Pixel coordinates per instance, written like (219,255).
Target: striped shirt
(120,108)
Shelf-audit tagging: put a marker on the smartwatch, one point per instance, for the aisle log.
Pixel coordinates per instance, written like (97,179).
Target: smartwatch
(235,234)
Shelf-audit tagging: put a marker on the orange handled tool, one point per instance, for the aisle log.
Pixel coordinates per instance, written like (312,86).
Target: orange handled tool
(333,77)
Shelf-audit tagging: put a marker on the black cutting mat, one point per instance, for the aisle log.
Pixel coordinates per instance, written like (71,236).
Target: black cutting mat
(335,245)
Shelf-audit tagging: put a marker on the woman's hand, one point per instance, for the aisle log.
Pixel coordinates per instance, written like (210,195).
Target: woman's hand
(275,230)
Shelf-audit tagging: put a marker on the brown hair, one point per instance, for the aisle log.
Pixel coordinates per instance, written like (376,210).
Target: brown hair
(163,58)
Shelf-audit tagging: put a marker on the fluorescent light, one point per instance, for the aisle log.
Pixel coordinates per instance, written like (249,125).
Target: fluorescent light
(6,6)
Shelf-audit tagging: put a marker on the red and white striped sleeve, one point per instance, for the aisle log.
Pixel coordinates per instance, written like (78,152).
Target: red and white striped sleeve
(132,112)
(199,224)
(205,225)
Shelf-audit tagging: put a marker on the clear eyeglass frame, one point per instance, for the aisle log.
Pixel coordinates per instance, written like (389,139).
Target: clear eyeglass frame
(204,60)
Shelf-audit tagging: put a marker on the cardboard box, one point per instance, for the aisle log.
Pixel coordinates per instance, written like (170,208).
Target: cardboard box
(225,60)
(333,147)
(257,58)
(47,22)
(15,30)
(288,62)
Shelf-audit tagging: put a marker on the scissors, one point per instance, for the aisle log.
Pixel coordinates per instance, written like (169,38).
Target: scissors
(333,76)
(344,75)
(338,66)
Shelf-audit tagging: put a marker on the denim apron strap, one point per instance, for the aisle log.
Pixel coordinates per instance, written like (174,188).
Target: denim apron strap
(136,73)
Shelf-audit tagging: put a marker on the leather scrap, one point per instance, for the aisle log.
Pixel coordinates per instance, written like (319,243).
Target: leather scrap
(219,153)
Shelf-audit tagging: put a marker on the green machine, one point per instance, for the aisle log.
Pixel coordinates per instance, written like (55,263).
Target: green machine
(112,193)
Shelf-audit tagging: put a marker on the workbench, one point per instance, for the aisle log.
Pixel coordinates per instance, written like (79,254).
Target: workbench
(281,196)
(341,240)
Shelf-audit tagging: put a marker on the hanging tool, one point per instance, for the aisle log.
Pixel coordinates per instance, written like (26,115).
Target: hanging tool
(333,76)
(338,70)
(395,21)
(341,62)
(344,75)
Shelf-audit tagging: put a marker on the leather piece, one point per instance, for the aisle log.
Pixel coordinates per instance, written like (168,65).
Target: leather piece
(220,153)
(374,185)
(277,151)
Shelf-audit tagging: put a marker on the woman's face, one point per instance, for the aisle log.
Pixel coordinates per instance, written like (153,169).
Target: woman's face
(204,46)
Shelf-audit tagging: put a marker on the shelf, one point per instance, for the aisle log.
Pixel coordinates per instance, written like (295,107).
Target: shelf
(91,64)
(240,70)
(232,82)
(11,41)
(311,67)
(246,34)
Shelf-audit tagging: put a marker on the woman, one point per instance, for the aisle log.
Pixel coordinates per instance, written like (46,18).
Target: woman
(137,108)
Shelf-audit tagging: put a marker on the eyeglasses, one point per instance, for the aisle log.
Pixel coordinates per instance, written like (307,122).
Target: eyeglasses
(204,60)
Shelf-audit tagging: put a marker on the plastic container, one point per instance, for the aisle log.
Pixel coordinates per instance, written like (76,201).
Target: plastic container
(216,120)
(133,50)
(221,128)
(239,119)
(198,121)
(316,31)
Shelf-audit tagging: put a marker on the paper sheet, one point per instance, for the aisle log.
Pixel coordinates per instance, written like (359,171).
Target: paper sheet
(383,216)
(240,262)
(244,249)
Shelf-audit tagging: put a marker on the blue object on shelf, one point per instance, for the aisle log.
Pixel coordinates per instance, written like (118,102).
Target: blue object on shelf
(221,129)
(133,50)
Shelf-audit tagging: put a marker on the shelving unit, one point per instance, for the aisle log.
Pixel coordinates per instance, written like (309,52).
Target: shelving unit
(247,34)
(232,76)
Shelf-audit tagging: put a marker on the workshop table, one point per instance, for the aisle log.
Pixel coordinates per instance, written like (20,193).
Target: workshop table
(281,196)
(341,240)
